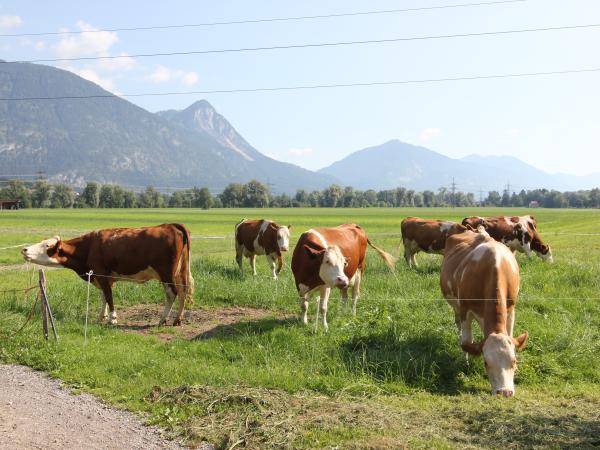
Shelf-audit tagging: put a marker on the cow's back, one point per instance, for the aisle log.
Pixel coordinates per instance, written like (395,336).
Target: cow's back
(131,250)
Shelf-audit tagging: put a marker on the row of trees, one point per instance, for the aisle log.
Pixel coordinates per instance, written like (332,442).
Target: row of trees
(257,195)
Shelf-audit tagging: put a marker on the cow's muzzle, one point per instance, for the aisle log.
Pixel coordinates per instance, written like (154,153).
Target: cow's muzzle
(505,392)
(342,282)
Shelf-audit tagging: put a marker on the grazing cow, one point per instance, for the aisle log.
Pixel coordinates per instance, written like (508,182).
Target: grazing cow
(325,258)
(518,233)
(425,235)
(125,254)
(480,280)
(261,237)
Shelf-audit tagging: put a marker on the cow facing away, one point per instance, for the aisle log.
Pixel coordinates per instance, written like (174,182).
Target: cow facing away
(426,235)
(326,258)
(262,237)
(480,280)
(125,254)
(519,233)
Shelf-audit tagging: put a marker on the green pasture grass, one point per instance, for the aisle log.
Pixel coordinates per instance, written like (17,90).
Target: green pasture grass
(393,375)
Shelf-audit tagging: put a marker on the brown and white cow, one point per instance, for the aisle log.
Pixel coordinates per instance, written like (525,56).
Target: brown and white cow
(425,235)
(480,280)
(261,237)
(519,233)
(326,258)
(125,254)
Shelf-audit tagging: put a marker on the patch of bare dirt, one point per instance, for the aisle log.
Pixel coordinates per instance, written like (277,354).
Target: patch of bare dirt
(196,323)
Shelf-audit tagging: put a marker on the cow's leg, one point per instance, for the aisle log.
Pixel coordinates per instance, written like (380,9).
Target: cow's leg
(239,255)
(103,314)
(279,263)
(407,252)
(304,293)
(181,291)
(510,322)
(356,290)
(272,264)
(466,332)
(325,291)
(253,263)
(106,286)
(170,293)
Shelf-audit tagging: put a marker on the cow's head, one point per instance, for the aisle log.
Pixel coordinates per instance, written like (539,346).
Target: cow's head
(46,253)
(283,237)
(500,360)
(534,242)
(331,265)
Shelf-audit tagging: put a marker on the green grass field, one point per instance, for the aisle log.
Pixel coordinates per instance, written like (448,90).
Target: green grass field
(394,375)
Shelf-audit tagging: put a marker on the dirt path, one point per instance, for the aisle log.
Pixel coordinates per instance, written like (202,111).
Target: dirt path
(36,412)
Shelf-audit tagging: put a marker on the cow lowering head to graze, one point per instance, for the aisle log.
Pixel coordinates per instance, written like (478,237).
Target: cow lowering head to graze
(261,237)
(125,254)
(326,258)
(480,280)
(519,233)
(426,235)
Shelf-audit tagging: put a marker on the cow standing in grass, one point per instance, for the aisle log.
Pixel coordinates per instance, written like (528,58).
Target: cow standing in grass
(125,254)
(425,235)
(326,258)
(261,237)
(480,280)
(519,233)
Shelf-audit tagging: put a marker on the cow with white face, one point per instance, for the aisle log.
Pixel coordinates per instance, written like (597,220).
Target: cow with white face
(261,237)
(480,280)
(519,233)
(326,258)
(137,255)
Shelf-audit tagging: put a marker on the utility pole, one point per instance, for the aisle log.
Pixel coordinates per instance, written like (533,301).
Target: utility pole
(453,187)
(480,196)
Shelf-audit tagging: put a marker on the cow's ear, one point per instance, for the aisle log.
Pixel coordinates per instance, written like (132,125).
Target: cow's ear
(469,227)
(289,227)
(521,341)
(473,348)
(312,253)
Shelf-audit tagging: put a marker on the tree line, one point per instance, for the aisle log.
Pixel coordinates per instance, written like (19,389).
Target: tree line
(255,194)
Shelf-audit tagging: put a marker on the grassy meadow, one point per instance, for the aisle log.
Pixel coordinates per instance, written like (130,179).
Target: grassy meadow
(244,373)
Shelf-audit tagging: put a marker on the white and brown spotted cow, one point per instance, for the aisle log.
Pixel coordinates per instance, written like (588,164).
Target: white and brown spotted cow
(125,254)
(326,258)
(480,280)
(425,235)
(519,233)
(261,237)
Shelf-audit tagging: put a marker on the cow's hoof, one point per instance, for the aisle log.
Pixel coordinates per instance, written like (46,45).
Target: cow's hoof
(102,318)
(177,323)
(113,321)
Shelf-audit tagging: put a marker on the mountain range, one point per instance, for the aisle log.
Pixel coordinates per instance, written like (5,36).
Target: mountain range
(108,139)
(397,163)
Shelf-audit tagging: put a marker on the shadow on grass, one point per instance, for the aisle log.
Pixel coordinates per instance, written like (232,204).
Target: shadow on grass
(249,327)
(424,361)
(488,429)
(230,271)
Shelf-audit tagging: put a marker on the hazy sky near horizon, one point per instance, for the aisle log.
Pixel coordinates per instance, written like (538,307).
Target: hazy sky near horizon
(551,122)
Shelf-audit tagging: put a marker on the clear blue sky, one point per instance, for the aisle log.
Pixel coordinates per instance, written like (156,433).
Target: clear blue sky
(551,122)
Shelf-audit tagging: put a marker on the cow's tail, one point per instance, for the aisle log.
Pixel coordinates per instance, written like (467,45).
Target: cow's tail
(185,269)
(387,258)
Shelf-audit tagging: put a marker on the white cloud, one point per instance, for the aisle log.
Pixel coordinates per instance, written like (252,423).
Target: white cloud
(92,43)
(163,74)
(126,62)
(7,22)
(92,75)
(429,133)
(300,152)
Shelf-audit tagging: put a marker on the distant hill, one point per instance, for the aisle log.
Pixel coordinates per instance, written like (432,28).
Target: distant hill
(396,163)
(113,140)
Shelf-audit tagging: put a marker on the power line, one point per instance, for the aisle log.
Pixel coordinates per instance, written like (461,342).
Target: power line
(266,20)
(315,45)
(307,87)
